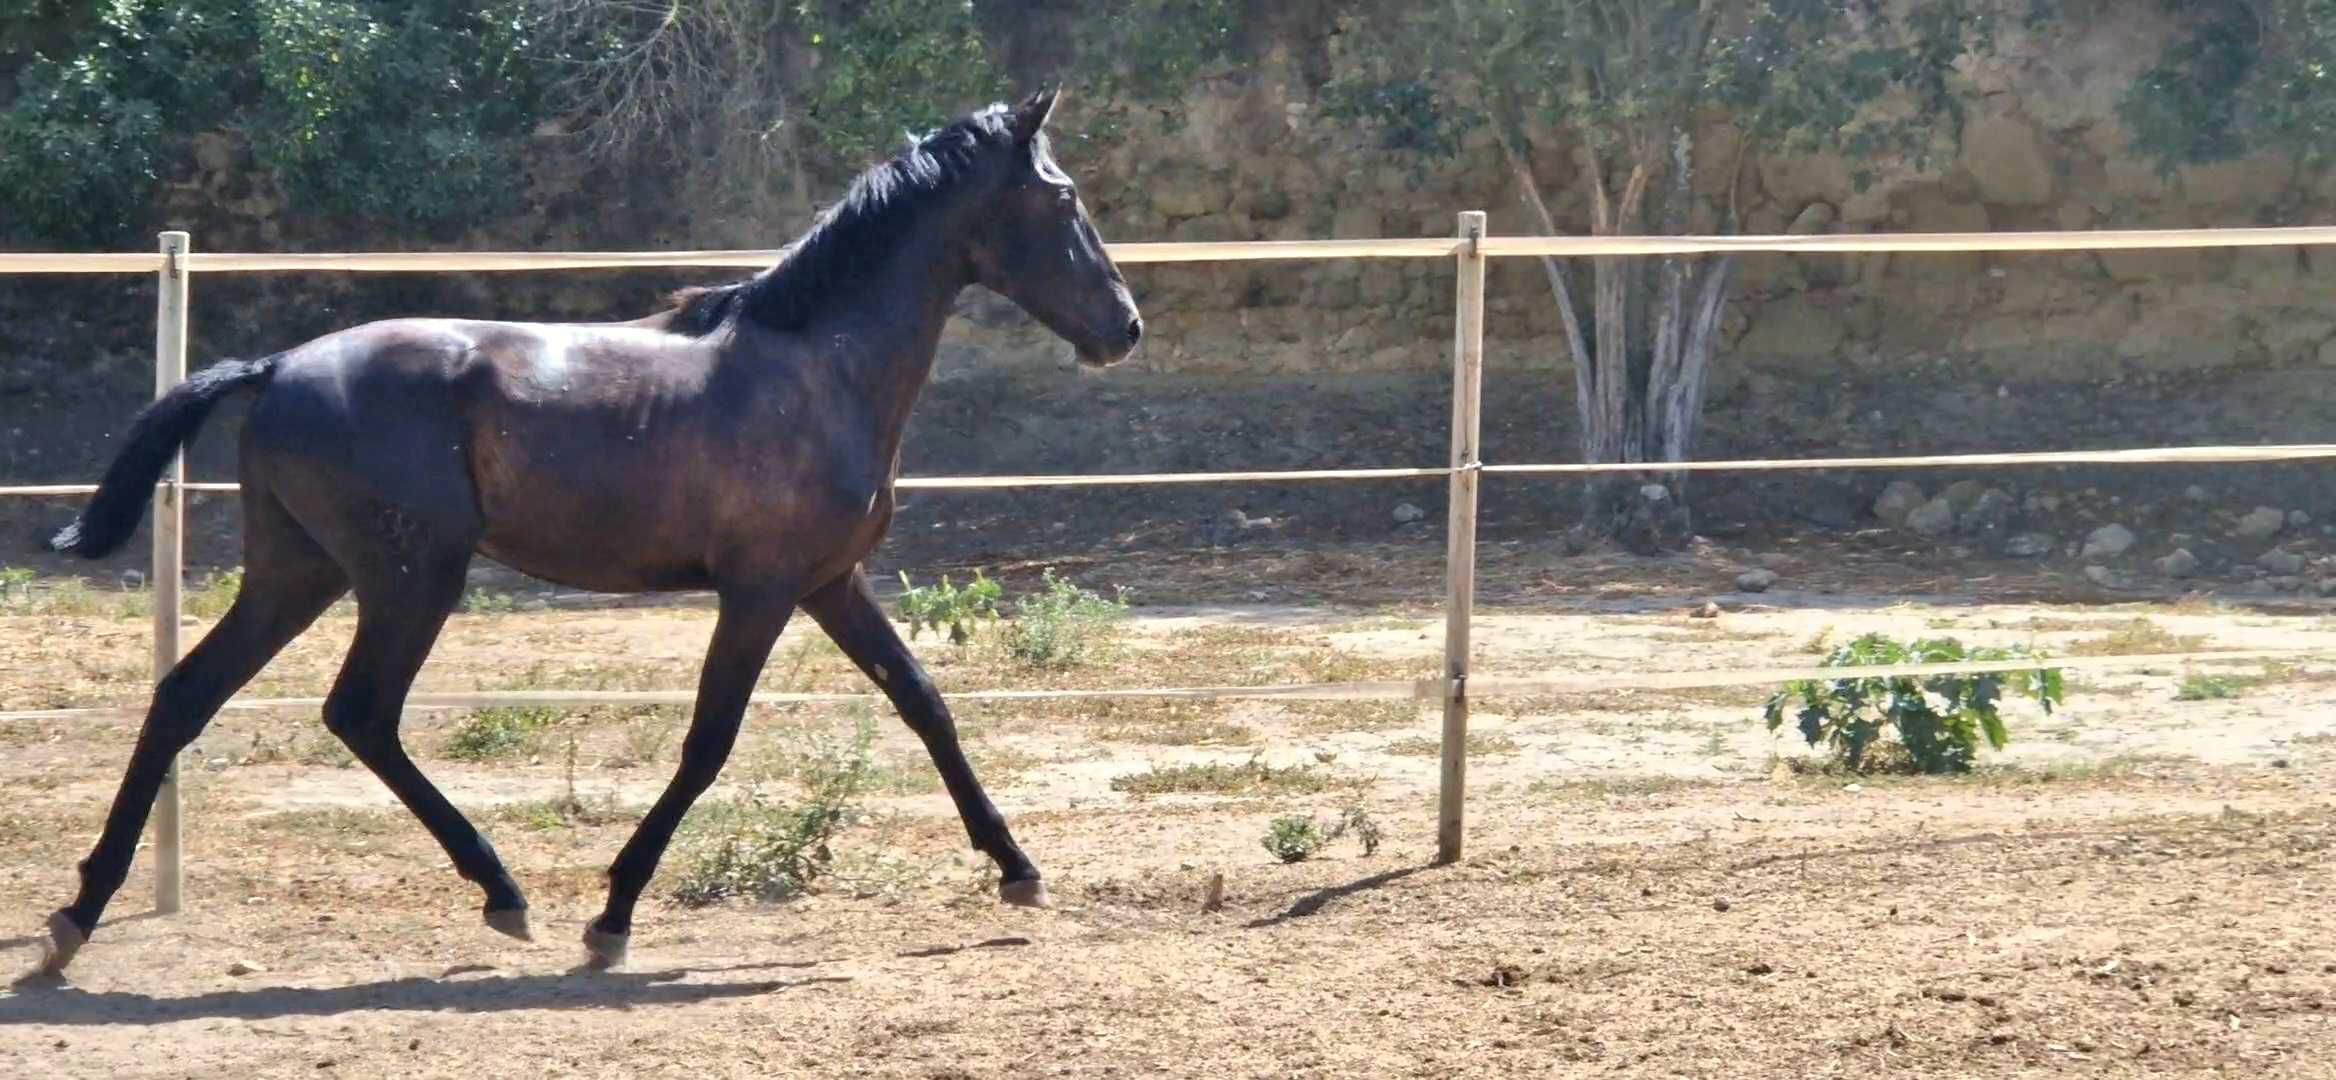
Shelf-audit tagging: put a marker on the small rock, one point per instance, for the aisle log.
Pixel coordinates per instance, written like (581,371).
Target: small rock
(2297,519)
(1720,903)
(1962,494)
(2281,562)
(1709,610)
(1756,580)
(244,967)
(2194,493)
(2030,545)
(1758,968)
(2261,523)
(1776,560)
(1933,518)
(2100,575)
(2178,564)
(2107,542)
(1654,493)
(1406,513)
(1992,510)
(2325,586)
(1898,500)
(133,579)
(1853,788)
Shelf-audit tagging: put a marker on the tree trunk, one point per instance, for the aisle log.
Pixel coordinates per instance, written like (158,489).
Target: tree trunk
(1640,366)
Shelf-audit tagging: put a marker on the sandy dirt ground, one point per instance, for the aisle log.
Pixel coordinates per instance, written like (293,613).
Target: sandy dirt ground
(2139,885)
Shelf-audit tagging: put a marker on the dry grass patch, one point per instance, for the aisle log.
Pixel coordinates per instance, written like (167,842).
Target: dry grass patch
(1252,777)
(2140,635)
(1480,744)
(1330,717)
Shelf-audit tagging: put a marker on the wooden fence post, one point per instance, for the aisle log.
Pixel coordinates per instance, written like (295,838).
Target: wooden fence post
(1460,533)
(169,569)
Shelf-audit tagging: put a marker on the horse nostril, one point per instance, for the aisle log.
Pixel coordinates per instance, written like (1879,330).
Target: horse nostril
(1135,330)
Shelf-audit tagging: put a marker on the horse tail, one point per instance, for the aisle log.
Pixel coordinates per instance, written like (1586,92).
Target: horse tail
(155,436)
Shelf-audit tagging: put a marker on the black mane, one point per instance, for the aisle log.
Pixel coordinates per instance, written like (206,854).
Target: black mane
(851,238)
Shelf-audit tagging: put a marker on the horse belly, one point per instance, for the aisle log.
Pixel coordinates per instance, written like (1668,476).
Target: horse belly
(595,522)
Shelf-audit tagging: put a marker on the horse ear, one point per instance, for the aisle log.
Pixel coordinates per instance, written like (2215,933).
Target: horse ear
(1030,117)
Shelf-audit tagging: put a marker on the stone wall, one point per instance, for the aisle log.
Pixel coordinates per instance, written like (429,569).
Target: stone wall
(2040,149)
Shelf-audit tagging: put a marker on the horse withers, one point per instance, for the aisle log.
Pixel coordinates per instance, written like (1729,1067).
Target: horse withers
(744,440)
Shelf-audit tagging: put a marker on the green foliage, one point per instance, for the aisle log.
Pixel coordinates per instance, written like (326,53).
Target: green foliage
(1296,838)
(935,607)
(888,67)
(1627,78)
(1938,720)
(1140,52)
(2247,75)
(404,113)
(761,848)
(1064,626)
(501,731)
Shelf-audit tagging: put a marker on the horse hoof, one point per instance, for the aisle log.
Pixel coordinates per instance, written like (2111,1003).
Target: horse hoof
(65,939)
(604,950)
(1030,892)
(511,922)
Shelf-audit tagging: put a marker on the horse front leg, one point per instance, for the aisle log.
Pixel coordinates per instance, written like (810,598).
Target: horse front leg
(744,631)
(847,610)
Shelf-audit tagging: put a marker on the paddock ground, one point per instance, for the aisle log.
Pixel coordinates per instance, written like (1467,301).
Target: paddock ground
(2140,885)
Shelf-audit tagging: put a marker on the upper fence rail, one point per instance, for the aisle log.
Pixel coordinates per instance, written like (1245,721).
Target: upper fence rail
(1221,251)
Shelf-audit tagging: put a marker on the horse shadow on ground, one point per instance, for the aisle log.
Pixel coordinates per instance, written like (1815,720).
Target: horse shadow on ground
(40,1000)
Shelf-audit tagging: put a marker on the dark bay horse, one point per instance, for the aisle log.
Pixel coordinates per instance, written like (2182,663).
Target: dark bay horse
(743,441)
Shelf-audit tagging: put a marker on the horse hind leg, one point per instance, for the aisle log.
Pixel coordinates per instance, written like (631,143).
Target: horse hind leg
(287,583)
(403,600)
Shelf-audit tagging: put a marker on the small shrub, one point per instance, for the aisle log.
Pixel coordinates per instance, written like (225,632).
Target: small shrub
(2140,635)
(501,731)
(1296,838)
(645,738)
(489,602)
(1063,626)
(216,595)
(15,585)
(761,848)
(2212,687)
(947,607)
(1937,720)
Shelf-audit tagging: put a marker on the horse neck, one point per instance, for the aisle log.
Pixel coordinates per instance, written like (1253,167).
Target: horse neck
(889,335)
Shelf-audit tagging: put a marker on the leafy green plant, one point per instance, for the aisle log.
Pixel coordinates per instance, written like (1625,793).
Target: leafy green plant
(1063,626)
(1937,720)
(500,731)
(945,606)
(763,848)
(1296,837)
